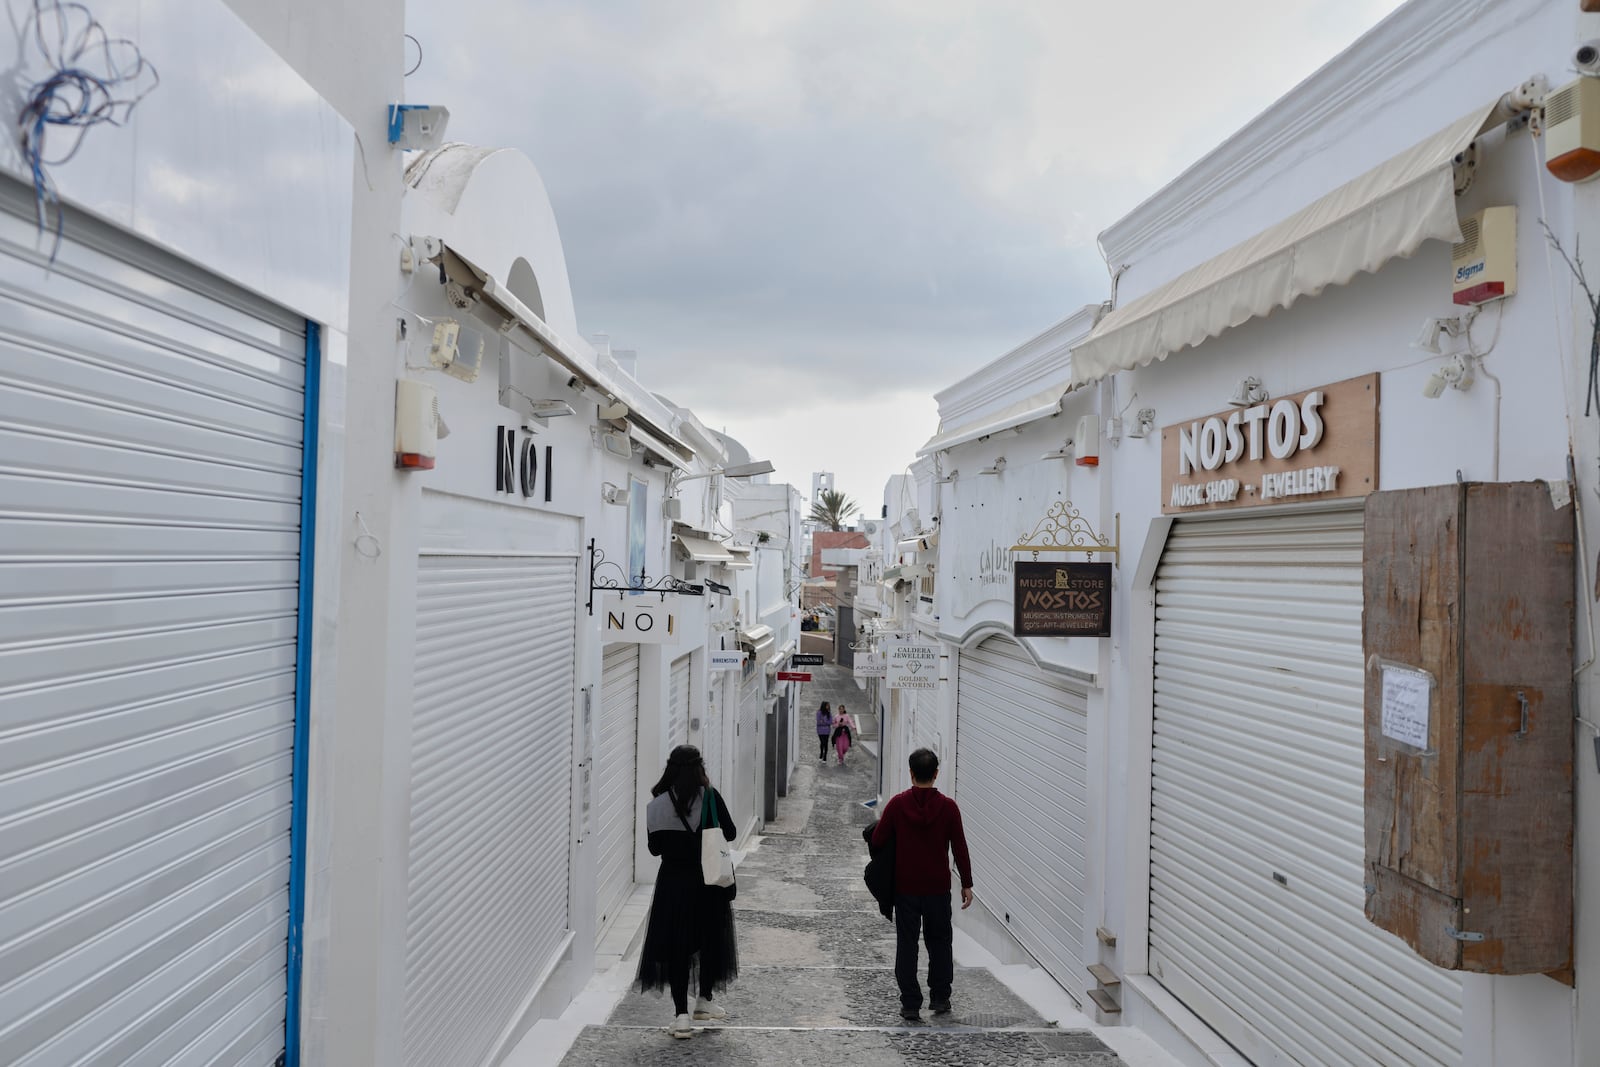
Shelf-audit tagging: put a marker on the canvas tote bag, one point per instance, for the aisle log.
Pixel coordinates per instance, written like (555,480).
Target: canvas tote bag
(716,852)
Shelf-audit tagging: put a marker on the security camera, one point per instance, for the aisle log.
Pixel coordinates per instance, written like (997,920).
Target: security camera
(1586,58)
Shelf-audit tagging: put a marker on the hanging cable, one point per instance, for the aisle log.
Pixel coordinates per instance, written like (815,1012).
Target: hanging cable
(94,79)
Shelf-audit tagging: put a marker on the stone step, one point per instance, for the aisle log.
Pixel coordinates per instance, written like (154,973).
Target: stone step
(1105,1002)
(1105,976)
(900,1047)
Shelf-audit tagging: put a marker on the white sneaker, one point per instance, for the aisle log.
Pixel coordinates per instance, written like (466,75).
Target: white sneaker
(680,1028)
(705,1009)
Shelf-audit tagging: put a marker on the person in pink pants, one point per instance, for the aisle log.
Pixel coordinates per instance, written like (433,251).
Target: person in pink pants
(843,733)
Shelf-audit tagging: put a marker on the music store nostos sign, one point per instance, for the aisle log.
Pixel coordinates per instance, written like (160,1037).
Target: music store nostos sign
(1061,599)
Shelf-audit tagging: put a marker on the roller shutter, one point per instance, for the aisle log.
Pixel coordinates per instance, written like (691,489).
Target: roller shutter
(711,735)
(615,778)
(1021,781)
(1256,805)
(925,731)
(491,800)
(678,704)
(151,421)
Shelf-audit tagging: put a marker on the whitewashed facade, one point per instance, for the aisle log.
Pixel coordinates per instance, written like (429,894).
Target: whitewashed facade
(1221,726)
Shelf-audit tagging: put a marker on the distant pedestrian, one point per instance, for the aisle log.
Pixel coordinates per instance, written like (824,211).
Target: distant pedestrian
(824,729)
(689,937)
(924,826)
(843,733)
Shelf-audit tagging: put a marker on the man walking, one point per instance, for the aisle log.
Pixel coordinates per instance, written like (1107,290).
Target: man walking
(925,827)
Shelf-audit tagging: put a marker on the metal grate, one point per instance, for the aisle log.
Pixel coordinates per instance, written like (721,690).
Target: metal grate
(1471,234)
(988,1020)
(1561,107)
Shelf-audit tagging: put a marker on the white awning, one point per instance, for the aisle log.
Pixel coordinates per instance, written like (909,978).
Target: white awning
(492,292)
(1038,406)
(741,557)
(701,549)
(656,446)
(1387,212)
(763,645)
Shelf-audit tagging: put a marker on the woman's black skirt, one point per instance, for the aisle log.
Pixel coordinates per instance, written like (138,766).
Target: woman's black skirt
(692,922)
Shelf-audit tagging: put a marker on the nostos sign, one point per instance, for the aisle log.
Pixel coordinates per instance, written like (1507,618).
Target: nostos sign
(1061,599)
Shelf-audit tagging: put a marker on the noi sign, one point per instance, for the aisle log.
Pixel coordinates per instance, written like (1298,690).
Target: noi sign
(640,621)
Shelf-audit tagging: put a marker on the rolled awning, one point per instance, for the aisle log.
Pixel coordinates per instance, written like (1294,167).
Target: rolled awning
(702,550)
(1038,406)
(762,643)
(1387,212)
(741,557)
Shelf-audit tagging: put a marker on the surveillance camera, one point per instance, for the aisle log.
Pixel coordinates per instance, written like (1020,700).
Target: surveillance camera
(1433,388)
(1586,58)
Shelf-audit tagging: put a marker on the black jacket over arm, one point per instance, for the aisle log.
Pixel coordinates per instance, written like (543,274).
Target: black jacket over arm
(880,872)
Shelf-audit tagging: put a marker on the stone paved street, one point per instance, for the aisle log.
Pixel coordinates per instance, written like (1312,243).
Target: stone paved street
(815,983)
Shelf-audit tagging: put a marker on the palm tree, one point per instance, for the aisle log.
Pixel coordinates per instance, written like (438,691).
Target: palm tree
(832,509)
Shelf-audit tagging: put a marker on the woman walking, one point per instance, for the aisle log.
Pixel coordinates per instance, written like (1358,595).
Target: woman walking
(689,937)
(824,729)
(843,733)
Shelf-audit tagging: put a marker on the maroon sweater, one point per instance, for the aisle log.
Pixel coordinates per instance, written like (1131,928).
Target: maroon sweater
(925,826)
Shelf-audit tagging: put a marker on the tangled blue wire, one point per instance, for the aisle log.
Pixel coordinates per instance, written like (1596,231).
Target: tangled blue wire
(93,79)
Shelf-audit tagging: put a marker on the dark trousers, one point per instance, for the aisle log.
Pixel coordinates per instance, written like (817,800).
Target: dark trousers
(678,977)
(931,917)
(822,751)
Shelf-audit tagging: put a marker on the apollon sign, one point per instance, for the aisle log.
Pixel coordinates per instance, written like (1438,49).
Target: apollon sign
(1062,600)
(1320,444)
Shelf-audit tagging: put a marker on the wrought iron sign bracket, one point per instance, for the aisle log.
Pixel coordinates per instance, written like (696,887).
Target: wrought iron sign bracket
(601,580)
(1064,529)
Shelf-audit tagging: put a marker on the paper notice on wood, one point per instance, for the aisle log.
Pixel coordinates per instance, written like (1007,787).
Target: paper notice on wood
(1406,699)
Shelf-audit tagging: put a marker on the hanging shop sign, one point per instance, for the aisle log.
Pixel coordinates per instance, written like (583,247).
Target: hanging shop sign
(794,676)
(726,659)
(1321,444)
(637,621)
(870,665)
(913,666)
(1061,599)
(807,659)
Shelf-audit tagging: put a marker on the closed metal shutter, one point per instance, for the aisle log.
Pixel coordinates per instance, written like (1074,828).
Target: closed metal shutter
(747,754)
(151,421)
(1021,781)
(491,800)
(711,734)
(678,704)
(1256,805)
(925,721)
(615,779)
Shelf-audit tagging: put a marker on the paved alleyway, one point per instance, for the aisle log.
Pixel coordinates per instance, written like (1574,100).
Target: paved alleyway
(815,983)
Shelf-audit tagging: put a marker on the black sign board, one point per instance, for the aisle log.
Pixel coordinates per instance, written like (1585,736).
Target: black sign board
(806,659)
(1061,599)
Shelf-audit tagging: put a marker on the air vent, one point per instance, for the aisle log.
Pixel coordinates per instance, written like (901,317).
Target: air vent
(1471,235)
(1562,106)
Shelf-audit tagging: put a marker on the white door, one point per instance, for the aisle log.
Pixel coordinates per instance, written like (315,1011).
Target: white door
(151,422)
(491,797)
(1021,781)
(615,778)
(678,703)
(1256,803)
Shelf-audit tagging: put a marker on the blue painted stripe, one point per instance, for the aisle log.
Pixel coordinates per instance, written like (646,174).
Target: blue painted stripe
(302,692)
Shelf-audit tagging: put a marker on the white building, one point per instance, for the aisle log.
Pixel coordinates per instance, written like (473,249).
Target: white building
(321,740)
(1196,781)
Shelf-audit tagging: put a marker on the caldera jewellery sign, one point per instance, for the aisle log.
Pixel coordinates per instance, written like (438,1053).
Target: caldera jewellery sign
(1321,444)
(913,666)
(1062,599)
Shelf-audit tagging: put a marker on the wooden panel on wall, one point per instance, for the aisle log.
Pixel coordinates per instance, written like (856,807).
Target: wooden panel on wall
(1469,838)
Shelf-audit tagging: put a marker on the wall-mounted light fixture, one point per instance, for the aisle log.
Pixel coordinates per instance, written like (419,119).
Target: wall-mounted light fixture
(1435,329)
(1064,452)
(1143,423)
(948,478)
(613,494)
(996,467)
(1457,374)
(1248,393)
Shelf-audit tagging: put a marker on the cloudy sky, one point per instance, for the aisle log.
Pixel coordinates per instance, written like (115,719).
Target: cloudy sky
(808,217)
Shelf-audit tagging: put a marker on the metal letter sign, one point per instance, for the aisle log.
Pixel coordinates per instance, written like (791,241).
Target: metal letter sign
(638,621)
(1061,599)
(913,667)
